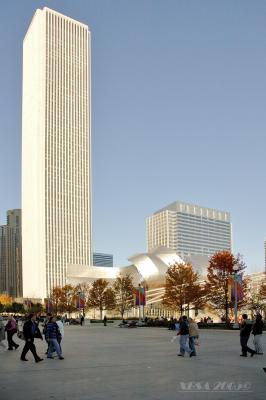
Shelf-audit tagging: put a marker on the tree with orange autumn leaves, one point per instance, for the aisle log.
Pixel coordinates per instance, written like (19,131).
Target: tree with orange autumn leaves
(220,269)
(5,299)
(101,296)
(257,299)
(66,298)
(182,288)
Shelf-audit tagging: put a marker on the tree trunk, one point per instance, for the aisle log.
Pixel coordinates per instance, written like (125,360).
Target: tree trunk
(226,305)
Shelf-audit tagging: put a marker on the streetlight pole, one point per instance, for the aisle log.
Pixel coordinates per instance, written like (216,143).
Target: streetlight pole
(139,303)
(79,302)
(235,268)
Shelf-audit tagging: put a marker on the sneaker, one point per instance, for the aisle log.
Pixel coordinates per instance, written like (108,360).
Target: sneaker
(264,369)
(243,355)
(252,354)
(17,345)
(192,354)
(61,358)
(10,348)
(38,360)
(180,355)
(50,357)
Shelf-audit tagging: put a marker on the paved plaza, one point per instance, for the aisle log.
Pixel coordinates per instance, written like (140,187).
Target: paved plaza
(103,363)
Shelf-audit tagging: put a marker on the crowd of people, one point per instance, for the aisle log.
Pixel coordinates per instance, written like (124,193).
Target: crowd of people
(53,333)
(188,331)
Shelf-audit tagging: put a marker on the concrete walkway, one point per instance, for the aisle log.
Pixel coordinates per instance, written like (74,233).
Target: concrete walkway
(103,363)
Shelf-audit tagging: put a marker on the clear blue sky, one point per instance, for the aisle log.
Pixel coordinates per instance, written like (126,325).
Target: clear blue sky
(178,107)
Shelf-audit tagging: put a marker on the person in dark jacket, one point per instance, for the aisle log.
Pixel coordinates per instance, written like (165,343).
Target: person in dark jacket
(53,335)
(245,330)
(257,332)
(184,336)
(46,321)
(31,331)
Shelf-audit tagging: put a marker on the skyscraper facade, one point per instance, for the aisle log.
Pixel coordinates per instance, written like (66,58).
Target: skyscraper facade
(265,255)
(3,259)
(103,260)
(10,255)
(189,229)
(56,151)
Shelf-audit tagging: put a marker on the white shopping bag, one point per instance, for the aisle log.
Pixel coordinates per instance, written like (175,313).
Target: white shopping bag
(173,339)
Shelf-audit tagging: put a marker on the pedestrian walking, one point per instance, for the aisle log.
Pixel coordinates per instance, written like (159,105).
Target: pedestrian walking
(61,330)
(2,333)
(245,330)
(184,336)
(193,335)
(81,320)
(105,321)
(52,336)
(46,321)
(30,332)
(257,332)
(11,329)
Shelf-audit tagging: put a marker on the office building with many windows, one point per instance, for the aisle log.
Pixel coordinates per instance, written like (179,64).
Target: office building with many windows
(56,148)
(189,229)
(103,260)
(10,255)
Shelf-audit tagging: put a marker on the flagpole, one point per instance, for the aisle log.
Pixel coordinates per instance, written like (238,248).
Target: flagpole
(139,303)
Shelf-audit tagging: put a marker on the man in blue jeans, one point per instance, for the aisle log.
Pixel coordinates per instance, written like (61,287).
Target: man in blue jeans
(52,335)
(184,336)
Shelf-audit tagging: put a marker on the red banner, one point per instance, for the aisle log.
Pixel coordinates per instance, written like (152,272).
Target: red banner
(140,296)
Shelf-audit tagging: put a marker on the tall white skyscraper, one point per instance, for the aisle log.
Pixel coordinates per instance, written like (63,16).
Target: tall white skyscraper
(56,151)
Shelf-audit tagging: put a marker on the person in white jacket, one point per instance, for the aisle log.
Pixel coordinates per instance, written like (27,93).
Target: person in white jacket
(61,329)
(193,335)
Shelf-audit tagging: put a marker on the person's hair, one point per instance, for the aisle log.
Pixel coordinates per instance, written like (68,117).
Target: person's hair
(30,316)
(49,314)
(51,319)
(58,317)
(259,316)
(244,316)
(184,317)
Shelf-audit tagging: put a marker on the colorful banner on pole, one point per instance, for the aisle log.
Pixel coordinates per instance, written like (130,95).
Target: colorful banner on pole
(48,305)
(140,296)
(235,283)
(80,304)
(231,283)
